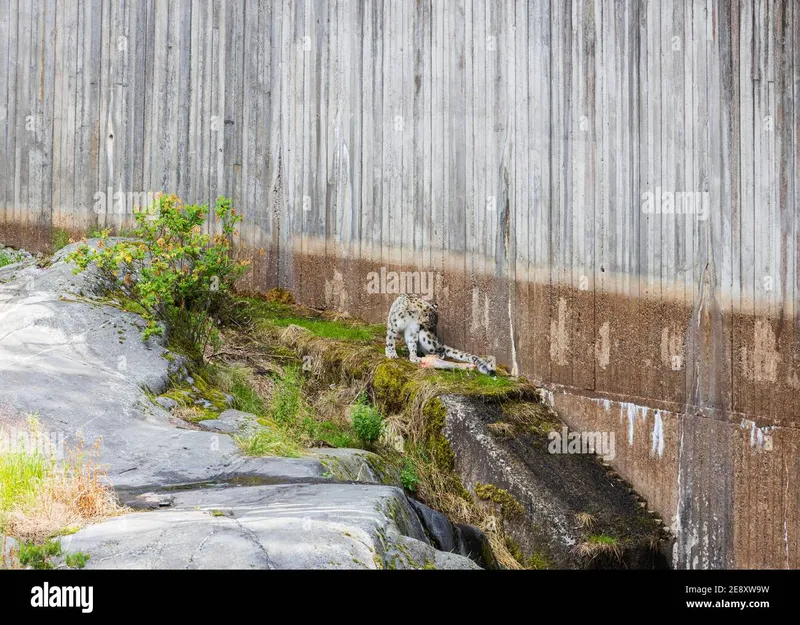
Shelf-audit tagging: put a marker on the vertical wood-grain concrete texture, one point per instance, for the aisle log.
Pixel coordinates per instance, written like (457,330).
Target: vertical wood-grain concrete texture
(506,146)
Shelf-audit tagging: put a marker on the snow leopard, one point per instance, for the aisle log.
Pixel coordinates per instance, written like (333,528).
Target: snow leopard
(416,319)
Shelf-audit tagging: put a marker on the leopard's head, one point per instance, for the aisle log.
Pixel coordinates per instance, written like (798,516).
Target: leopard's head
(431,315)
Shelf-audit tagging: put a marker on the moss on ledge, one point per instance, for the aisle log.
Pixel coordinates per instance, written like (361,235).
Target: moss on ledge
(507,502)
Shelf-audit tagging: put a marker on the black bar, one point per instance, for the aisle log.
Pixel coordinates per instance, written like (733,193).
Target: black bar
(304,593)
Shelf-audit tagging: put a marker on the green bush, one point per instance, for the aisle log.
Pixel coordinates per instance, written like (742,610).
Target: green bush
(59,238)
(40,556)
(177,276)
(287,397)
(367,421)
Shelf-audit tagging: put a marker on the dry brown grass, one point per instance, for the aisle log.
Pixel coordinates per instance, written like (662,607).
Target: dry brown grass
(324,357)
(501,428)
(585,520)
(69,495)
(394,433)
(191,414)
(282,296)
(531,416)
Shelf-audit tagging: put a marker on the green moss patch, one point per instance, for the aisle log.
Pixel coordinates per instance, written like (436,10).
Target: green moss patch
(199,401)
(508,503)
(8,257)
(281,312)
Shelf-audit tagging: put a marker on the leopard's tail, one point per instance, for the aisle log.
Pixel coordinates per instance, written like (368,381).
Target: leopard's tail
(484,365)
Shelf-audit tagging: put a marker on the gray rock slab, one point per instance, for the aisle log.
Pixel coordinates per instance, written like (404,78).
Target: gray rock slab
(215,425)
(166,403)
(297,526)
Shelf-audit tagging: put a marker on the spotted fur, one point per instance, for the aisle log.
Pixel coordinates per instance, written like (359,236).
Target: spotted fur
(416,319)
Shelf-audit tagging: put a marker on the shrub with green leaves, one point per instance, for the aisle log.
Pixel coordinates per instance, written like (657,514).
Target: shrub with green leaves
(367,421)
(287,398)
(177,276)
(59,238)
(40,556)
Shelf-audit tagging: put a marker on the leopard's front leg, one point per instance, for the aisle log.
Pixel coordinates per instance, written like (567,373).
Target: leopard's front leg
(391,340)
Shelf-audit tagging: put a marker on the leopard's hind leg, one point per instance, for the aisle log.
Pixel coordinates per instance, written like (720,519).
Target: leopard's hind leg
(429,343)
(412,336)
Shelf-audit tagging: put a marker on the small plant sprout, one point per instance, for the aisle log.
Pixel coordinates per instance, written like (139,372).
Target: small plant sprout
(367,421)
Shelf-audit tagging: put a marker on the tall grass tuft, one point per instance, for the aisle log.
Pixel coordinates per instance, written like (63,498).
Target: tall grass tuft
(41,497)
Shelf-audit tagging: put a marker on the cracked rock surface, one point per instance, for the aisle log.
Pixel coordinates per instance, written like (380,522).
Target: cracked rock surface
(299,526)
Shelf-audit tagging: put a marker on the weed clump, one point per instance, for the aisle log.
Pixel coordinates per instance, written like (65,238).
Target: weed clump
(408,477)
(367,420)
(77,560)
(59,238)
(507,502)
(599,545)
(9,258)
(41,556)
(267,441)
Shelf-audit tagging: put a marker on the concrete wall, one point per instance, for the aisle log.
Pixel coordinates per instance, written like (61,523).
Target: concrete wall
(506,147)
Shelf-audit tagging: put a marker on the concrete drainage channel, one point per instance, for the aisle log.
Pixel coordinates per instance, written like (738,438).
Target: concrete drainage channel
(565,510)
